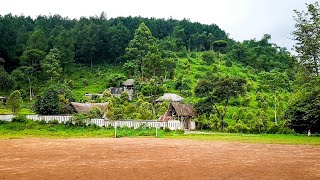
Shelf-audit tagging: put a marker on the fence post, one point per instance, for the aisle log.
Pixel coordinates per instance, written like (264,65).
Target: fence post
(115,129)
(156,129)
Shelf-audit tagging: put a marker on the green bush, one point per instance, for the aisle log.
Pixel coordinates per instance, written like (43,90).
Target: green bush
(95,112)
(273,129)
(54,122)
(167,129)
(208,57)
(228,63)
(85,82)
(19,119)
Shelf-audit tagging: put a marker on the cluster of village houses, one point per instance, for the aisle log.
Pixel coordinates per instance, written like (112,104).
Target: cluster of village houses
(185,113)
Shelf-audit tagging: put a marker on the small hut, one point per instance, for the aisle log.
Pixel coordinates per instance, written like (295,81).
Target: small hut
(185,113)
(170,97)
(84,108)
(128,84)
(127,87)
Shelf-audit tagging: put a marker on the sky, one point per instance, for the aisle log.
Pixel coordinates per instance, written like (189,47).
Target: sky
(241,19)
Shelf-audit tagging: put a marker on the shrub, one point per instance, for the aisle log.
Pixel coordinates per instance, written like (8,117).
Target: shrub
(246,101)
(241,127)
(273,129)
(85,82)
(48,102)
(208,57)
(14,101)
(54,122)
(228,63)
(167,129)
(95,112)
(42,122)
(19,119)
(69,83)
(23,93)
(79,119)
(6,82)
(231,129)
(215,69)
(198,76)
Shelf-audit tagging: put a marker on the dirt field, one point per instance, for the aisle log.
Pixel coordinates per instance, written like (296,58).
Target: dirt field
(141,158)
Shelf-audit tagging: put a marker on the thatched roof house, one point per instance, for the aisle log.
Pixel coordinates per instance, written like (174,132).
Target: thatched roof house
(182,110)
(128,83)
(185,113)
(84,108)
(170,97)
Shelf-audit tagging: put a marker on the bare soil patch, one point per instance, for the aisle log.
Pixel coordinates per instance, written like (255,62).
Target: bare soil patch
(143,158)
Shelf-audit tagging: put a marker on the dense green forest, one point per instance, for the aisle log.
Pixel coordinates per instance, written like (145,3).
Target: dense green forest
(252,86)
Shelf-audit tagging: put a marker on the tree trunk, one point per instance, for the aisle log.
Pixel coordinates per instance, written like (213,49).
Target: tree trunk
(316,65)
(30,92)
(275,109)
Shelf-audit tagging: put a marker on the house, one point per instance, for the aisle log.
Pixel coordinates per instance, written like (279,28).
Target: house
(170,97)
(84,108)
(128,86)
(185,113)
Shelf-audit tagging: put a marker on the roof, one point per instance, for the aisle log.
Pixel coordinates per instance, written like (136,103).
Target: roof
(84,108)
(170,97)
(184,109)
(128,82)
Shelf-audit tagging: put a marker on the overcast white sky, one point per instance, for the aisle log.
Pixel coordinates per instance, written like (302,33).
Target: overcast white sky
(242,19)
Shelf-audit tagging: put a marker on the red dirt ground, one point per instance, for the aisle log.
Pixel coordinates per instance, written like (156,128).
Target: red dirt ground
(142,158)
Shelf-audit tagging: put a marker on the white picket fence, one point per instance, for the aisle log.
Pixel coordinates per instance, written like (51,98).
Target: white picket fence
(6,117)
(173,125)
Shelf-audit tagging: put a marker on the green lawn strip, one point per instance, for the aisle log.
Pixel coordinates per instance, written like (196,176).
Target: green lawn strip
(254,138)
(33,130)
(36,130)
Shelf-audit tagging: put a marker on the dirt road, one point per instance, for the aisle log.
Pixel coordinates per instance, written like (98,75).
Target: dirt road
(143,158)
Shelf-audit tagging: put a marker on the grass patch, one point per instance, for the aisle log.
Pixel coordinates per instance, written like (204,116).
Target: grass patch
(255,138)
(35,129)
(31,129)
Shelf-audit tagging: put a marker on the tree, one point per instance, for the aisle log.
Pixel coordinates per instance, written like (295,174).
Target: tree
(220,90)
(32,59)
(38,40)
(51,64)
(64,42)
(220,46)
(48,102)
(110,110)
(119,37)
(140,50)
(208,57)
(54,100)
(14,101)
(95,112)
(307,35)
(6,82)
(274,81)
(303,112)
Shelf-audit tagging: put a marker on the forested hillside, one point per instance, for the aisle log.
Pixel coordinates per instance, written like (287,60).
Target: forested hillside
(251,86)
